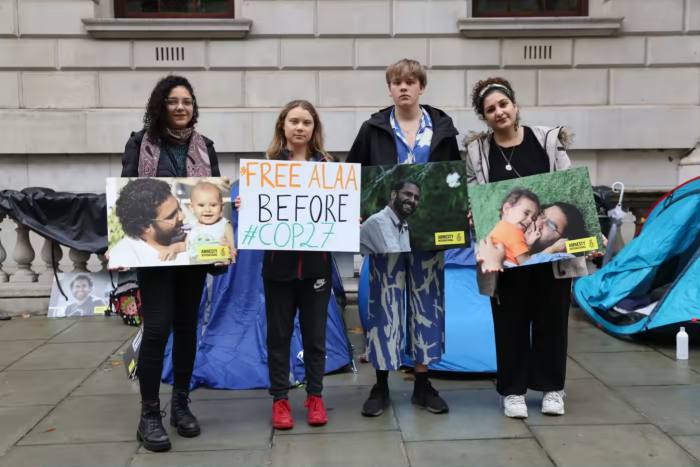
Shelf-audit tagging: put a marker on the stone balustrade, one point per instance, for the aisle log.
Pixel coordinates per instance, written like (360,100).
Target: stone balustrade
(26,267)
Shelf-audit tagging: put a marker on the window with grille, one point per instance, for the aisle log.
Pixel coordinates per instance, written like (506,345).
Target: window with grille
(501,8)
(173,8)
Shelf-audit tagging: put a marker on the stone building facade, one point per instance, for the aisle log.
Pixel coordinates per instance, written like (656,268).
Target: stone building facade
(74,79)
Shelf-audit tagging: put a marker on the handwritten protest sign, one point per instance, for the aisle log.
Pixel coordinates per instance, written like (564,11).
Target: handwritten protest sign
(292,205)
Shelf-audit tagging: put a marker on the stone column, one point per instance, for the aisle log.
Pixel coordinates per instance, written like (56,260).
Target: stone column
(49,249)
(80,259)
(23,256)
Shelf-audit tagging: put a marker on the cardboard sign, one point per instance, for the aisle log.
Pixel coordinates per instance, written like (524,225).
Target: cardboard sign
(540,218)
(169,221)
(304,206)
(414,207)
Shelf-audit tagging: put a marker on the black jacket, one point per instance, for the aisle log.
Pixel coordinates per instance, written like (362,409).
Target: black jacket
(281,265)
(375,143)
(130,158)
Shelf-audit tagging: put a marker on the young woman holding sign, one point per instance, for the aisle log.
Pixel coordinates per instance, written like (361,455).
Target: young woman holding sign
(296,280)
(531,304)
(168,146)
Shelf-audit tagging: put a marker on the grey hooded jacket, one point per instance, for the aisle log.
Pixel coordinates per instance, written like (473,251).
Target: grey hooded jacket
(554,141)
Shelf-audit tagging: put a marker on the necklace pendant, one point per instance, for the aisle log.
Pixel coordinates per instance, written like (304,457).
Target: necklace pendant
(509,167)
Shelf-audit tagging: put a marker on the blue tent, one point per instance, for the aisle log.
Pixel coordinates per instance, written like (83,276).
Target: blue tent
(231,348)
(469,338)
(653,281)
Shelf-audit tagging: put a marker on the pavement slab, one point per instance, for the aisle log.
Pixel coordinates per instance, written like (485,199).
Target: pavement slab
(16,421)
(591,339)
(38,387)
(88,419)
(618,445)
(11,351)
(66,356)
(371,449)
(101,329)
(674,409)
(226,424)
(73,455)
(247,458)
(575,371)
(33,328)
(588,402)
(474,414)
(484,452)
(636,368)
(343,405)
(690,444)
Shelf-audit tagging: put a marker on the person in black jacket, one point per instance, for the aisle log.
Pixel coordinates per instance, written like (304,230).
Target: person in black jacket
(168,146)
(405,133)
(296,280)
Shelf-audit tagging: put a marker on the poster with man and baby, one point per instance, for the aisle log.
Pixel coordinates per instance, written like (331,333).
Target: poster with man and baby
(169,221)
(538,219)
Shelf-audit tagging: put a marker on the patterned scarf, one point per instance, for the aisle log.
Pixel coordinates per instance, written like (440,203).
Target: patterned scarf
(198,163)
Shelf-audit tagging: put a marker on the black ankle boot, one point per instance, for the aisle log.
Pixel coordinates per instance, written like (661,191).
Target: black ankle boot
(150,431)
(180,415)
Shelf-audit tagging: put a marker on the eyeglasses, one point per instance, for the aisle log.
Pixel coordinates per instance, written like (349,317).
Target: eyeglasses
(172,218)
(175,103)
(551,225)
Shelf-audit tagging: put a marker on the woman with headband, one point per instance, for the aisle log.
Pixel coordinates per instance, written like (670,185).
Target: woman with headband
(530,305)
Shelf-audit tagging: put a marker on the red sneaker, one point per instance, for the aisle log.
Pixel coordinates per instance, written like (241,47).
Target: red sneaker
(282,415)
(317,411)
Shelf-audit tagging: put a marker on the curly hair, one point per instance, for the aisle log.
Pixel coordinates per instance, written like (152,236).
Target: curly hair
(485,87)
(155,120)
(138,204)
(279,142)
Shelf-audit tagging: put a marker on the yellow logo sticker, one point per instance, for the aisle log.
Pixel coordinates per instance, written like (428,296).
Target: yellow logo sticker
(213,253)
(132,366)
(449,238)
(581,245)
(100,310)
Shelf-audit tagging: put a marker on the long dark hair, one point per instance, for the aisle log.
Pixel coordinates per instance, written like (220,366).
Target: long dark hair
(155,120)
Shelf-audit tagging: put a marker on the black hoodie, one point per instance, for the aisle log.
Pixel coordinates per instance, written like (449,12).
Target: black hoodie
(375,143)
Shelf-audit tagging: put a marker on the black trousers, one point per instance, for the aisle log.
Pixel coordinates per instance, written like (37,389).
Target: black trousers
(170,300)
(282,298)
(530,318)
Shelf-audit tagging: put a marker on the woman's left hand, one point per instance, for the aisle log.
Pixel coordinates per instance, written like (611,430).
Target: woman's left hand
(490,256)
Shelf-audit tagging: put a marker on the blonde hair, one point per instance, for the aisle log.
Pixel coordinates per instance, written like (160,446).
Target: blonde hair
(406,68)
(279,142)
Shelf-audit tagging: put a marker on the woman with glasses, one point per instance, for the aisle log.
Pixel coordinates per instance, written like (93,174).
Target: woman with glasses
(168,146)
(530,305)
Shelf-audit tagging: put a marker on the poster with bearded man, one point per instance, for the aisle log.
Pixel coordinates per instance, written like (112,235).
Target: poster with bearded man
(169,221)
(414,207)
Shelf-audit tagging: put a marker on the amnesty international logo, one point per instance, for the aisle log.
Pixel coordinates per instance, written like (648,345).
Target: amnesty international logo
(581,245)
(213,253)
(449,238)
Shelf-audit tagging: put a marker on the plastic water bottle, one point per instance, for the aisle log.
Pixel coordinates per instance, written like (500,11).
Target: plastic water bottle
(682,344)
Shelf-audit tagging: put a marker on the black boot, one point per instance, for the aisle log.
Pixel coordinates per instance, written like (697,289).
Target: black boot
(180,415)
(150,431)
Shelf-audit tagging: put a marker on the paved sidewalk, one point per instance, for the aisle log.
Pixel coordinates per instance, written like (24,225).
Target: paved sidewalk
(65,400)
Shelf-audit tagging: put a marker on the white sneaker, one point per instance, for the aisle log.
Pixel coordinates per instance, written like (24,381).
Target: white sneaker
(514,406)
(553,403)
